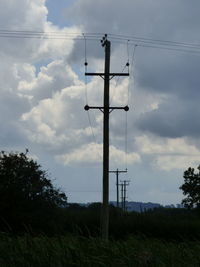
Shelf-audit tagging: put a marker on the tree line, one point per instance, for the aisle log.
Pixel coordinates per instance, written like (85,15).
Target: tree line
(29,202)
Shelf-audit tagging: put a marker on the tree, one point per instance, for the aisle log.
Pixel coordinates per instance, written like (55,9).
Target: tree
(191,188)
(26,193)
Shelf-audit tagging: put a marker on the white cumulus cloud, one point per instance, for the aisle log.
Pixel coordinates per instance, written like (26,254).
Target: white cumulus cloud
(93,153)
(169,154)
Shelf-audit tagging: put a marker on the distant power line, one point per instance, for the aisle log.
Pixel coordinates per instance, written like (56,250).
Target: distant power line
(87,191)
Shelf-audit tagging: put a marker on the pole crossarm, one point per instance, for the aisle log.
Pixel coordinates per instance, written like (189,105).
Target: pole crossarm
(126,108)
(102,75)
(117,171)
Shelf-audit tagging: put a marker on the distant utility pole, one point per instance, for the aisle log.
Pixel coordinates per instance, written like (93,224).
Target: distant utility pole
(122,195)
(123,185)
(117,172)
(106,109)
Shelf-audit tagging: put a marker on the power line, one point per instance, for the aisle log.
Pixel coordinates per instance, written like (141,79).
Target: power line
(134,40)
(96,35)
(86,191)
(151,40)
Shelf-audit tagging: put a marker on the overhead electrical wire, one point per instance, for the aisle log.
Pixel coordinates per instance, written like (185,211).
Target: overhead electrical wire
(117,82)
(151,40)
(131,72)
(126,119)
(126,113)
(32,34)
(134,40)
(87,191)
(86,94)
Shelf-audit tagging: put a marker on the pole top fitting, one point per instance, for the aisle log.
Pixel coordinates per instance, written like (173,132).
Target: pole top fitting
(86,107)
(126,108)
(104,40)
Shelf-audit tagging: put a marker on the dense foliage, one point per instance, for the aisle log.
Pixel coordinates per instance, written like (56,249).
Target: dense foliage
(191,188)
(28,200)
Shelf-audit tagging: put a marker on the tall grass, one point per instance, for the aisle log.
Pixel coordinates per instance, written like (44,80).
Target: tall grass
(169,225)
(27,251)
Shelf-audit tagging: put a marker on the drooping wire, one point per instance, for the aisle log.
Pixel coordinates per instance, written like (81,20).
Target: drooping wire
(123,69)
(116,83)
(132,74)
(92,131)
(126,139)
(86,94)
(128,96)
(128,64)
(125,126)
(126,115)
(85,64)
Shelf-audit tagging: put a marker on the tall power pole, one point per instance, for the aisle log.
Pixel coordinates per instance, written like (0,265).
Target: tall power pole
(106,109)
(117,172)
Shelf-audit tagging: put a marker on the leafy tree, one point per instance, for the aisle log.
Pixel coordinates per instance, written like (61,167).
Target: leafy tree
(191,188)
(26,193)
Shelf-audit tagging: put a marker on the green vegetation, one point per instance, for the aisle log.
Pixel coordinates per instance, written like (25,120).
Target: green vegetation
(28,200)
(163,237)
(191,188)
(165,224)
(63,251)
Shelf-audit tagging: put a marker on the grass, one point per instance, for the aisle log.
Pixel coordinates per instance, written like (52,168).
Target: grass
(27,251)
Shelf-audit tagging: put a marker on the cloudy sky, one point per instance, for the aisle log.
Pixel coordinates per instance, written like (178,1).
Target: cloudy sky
(43,91)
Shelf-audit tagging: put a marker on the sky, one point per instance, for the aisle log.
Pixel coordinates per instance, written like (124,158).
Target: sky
(43,92)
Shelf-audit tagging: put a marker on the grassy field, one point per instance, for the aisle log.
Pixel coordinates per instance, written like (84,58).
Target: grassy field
(27,251)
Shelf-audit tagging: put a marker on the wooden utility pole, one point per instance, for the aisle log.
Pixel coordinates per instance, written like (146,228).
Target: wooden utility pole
(117,172)
(122,195)
(106,109)
(124,184)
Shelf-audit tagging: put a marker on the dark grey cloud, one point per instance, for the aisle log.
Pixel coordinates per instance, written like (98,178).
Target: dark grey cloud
(169,72)
(172,119)
(153,18)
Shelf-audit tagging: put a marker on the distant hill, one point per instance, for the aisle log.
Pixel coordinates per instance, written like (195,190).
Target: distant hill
(139,206)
